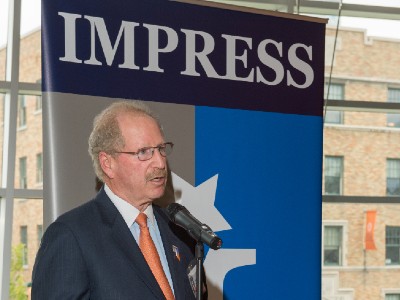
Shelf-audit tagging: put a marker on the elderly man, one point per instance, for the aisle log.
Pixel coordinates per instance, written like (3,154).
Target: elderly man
(118,245)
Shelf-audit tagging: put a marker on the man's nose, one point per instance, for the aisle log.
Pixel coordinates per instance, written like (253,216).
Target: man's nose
(158,159)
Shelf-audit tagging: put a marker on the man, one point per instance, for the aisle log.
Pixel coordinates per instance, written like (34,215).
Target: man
(96,251)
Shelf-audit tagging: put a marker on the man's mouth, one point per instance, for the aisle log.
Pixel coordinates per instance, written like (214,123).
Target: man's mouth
(157,176)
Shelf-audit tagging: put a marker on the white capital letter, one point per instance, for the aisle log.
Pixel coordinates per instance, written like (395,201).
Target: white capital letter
(191,53)
(154,47)
(70,37)
(109,50)
(301,66)
(231,57)
(270,61)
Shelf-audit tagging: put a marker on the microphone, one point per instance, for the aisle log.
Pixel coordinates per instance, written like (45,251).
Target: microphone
(200,232)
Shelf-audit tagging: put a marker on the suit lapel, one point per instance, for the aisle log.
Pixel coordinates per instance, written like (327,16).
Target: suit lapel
(126,243)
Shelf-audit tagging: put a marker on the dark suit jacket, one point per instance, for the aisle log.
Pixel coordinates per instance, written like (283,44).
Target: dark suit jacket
(90,253)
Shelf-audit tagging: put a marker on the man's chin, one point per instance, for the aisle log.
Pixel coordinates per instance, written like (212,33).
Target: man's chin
(158,194)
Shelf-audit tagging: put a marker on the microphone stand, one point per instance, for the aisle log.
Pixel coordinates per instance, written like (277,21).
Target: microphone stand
(199,253)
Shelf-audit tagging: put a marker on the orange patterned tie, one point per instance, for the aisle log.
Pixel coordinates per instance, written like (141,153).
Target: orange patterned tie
(150,253)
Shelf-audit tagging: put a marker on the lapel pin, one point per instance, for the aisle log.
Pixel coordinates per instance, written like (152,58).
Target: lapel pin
(176,251)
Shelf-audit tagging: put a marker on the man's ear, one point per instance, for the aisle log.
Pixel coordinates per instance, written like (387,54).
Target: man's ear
(106,163)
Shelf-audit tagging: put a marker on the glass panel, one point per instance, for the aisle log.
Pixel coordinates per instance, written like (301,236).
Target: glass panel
(2,99)
(27,228)
(393,177)
(392,245)
(366,62)
(29,166)
(30,57)
(23,240)
(333,175)
(334,117)
(332,245)
(336,92)
(393,120)
(3,37)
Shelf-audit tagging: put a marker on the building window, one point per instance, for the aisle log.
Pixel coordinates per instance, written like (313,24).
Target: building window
(392,245)
(333,175)
(39,168)
(393,177)
(21,111)
(392,297)
(24,241)
(23,179)
(333,240)
(39,230)
(38,104)
(393,120)
(336,92)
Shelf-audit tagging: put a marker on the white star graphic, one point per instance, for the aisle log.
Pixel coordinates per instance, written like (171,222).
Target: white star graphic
(199,201)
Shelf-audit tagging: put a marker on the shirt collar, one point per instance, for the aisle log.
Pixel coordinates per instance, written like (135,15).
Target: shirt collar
(129,212)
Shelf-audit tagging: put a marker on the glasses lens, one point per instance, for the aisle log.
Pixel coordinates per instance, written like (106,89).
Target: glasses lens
(165,149)
(145,153)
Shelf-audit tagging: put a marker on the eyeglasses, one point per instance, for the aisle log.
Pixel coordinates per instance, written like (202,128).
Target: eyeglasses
(146,153)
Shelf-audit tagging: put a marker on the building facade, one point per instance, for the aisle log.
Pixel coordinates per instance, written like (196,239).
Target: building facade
(361,176)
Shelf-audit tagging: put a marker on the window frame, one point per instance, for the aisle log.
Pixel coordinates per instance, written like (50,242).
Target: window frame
(390,162)
(392,294)
(390,291)
(333,95)
(394,245)
(12,88)
(340,177)
(343,224)
(393,97)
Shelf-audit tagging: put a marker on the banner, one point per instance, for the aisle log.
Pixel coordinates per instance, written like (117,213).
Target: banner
(239,92)
(369,230)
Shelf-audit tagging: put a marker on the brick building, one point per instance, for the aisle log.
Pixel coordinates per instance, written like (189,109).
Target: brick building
(361,170)
(361,155)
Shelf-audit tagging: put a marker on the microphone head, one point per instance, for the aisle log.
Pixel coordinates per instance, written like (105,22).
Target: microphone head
(179,215)
(173,209)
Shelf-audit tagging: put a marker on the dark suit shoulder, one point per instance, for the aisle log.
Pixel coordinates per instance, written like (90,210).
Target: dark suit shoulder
(98,209)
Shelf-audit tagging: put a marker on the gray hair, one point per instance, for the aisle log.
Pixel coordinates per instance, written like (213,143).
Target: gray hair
(106,135)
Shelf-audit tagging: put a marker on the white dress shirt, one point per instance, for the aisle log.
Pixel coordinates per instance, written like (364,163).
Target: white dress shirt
(129,214)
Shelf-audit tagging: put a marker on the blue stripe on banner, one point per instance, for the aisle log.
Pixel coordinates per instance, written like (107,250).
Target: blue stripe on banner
(269,171)
(167,51)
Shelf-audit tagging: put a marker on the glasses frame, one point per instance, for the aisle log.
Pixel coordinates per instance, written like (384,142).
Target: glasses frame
(159,147)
